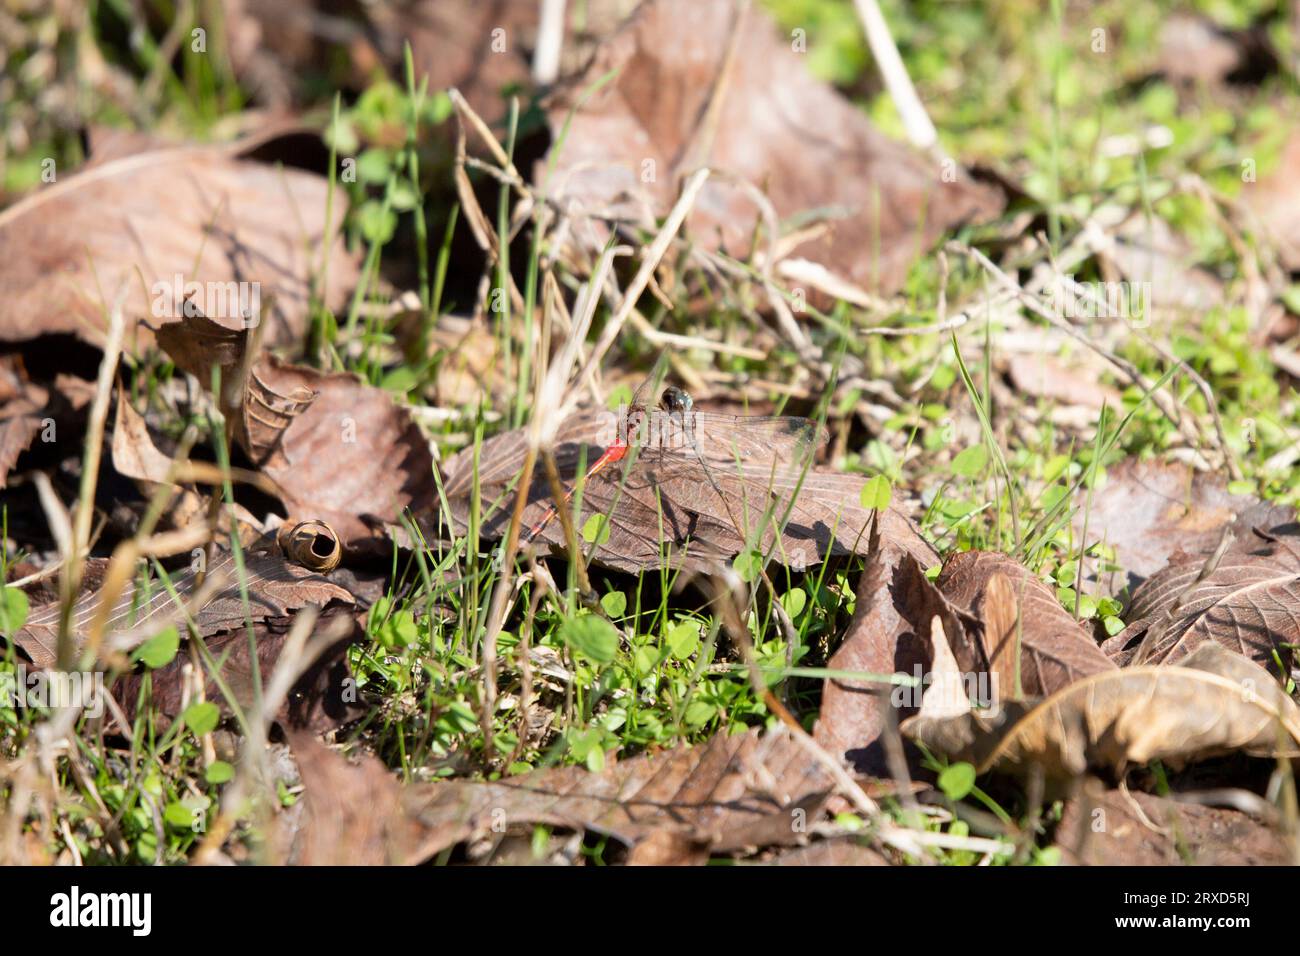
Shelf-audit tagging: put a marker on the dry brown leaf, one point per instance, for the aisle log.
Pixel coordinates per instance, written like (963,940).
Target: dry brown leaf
(675,106)
(1149,510)
(135,455)
(485,48)
(340,451)
(675,506)
(22,410)
(1162,268)
(1004,621)
(1055,649)
(1114,828)
(1248,602)
(666,848)
(134,452)
(839,851)
(272,45)
(890,633)
(352,458)
(275,587)
(1195,49)
(78,392)
(996,617)
(155,221)
(731,793)
(1051,378)
(322,699)
(1216,702)
(202,347)
(354,814)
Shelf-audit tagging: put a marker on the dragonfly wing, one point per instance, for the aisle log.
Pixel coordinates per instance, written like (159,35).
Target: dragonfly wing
(645,529)
(814,513)
(581,440)
(790,442)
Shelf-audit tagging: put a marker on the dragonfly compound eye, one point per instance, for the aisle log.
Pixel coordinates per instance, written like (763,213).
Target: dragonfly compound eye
(676,400)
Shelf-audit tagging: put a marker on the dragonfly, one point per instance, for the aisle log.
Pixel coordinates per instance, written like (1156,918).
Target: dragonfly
(741,460)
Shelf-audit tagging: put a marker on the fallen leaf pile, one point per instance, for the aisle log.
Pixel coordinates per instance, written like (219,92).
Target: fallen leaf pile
(1001,622)
(315,435)
(1214,703)
(680,99)
(252,507)
(729,794)
(1244,598)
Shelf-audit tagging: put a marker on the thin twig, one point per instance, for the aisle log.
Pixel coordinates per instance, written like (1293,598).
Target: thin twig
(920,131)
(70,581)
(550,41)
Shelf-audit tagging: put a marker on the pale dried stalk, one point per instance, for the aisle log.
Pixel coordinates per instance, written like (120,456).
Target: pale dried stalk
(650,261)
(1165,403)
(920,131)
(542,428)
(298,655)
(70,580)
(550,41)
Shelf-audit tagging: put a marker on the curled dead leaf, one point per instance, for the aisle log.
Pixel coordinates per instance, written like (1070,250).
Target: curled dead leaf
(1017,610)
(1009,637)
(1216,702)
(134,452)
(890,634)
(353,458)
(338,450)
(313,544)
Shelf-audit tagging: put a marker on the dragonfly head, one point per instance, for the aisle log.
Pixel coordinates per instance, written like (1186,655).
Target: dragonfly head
(675,399)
